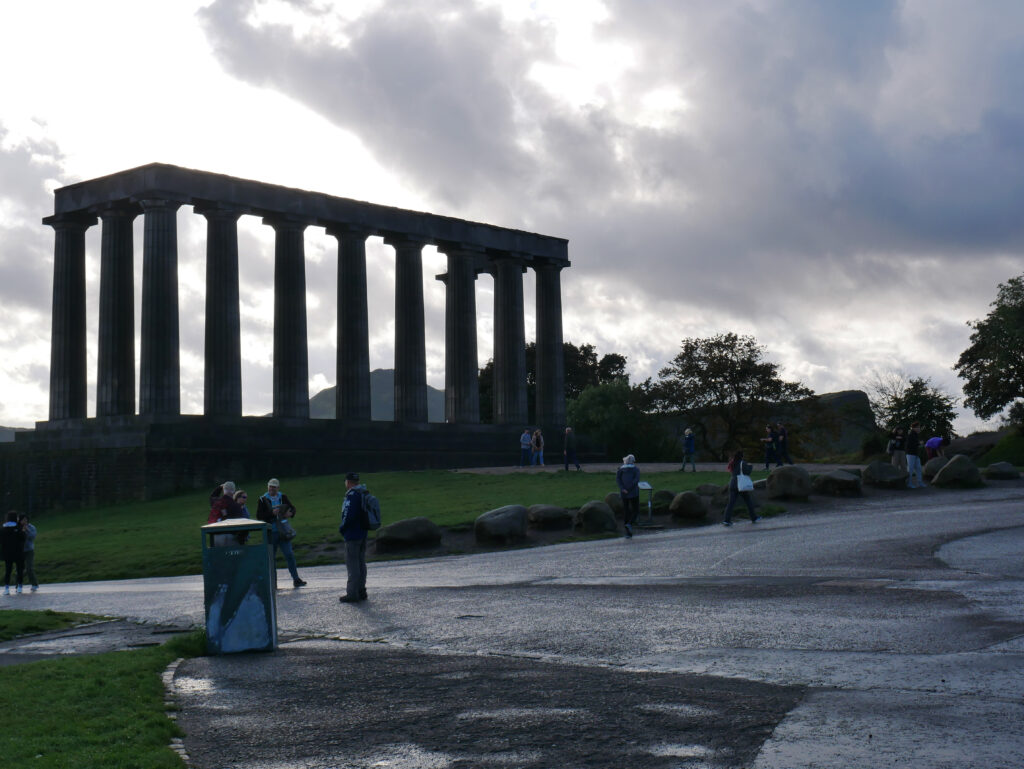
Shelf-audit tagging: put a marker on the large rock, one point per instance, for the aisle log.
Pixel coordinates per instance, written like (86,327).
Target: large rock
(885,475)
(614,501)
(959,472)
(661,500)
(1001,471)
(548,517)
(837,483)
(789,482)
(595,517)
(503,526)
(711,489)
(409,534)
(932,466)
(688,506)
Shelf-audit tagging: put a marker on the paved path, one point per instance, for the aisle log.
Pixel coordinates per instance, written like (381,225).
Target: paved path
(885,632)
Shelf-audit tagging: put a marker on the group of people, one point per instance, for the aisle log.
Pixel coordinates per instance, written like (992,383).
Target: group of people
(531,448)
(776,445)
(276,509)
(18,548)
(905,452)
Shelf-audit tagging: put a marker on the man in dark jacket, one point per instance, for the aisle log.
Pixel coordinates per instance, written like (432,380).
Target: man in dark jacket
(353,528)
(628,480)
(12,545)
(569,450)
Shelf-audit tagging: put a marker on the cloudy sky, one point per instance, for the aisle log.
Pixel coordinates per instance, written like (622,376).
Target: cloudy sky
(842,180)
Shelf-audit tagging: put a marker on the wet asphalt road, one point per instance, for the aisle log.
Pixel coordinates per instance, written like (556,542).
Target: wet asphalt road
(886,632)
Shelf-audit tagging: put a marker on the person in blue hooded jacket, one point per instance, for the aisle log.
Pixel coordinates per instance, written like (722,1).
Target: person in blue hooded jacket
(628,480)
(353,528)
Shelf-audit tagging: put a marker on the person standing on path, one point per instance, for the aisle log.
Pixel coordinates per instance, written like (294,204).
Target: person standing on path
(897,449)
(12,548)
(538,448)
(628,480)
(275,508)
(569,450)
(770,441)
(30,551)
(689,449)
(525,444)
(782,444)
(736,468)
(913,447)
(354,528)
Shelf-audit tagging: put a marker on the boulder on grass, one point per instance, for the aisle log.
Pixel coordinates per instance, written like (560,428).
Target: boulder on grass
(932,466)
(548,517)
(837,483)
(410,534)
(885,475)
(614,501)
(711,489)
(595,517)
(503,526)
(789,482)
(959,472)
(661,501)
(688,506)
(1001,471)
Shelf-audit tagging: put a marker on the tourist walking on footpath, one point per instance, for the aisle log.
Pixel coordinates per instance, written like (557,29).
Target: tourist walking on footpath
(897,449)
(353,529)
(628,480)
(782,444)
(689,449)
(12,548)
(275,508)
(569,450)
(913,448)
(537,445)
(770,442)
(30,551)
(525,446)
(740,485)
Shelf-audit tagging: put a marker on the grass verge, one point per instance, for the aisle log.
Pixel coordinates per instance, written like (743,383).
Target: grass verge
(16,622)
(103,710)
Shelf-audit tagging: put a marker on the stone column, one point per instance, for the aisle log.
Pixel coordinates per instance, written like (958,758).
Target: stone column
(461,366)
(509,343)
(67,336)
(550,355)
(222,381)
(291,353)
(160,369)
(352,399)
(115,349)
(410,341)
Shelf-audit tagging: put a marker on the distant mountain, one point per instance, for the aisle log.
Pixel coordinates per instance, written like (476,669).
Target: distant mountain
(382,399)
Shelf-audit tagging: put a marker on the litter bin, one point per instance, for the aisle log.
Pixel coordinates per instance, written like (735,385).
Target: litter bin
(238,582)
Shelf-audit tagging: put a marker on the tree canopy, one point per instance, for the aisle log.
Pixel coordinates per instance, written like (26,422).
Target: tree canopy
(725,388)
(899,401)
(993,366)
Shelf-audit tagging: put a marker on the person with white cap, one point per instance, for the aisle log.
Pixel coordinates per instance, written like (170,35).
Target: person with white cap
(628,480)
(275,508)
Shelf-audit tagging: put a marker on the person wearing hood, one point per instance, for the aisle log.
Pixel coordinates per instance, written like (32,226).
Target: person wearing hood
(12,547)
(353,528)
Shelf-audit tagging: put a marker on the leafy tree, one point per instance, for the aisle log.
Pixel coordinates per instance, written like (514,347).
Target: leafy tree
(899,400)
(612,414)
(724,388)
(993,366)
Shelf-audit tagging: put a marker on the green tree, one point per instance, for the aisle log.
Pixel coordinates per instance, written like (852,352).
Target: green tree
(899,401)
(724,388)
(993,366)
(612,414)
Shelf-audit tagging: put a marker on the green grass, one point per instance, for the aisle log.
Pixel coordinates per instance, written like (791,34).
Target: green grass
(104,710)
(16,622)
(162,538)
(1009,449)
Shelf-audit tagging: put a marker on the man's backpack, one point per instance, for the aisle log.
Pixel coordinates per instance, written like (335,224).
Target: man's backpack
(371,511)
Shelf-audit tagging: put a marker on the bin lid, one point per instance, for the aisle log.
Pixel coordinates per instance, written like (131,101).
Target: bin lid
(234,524)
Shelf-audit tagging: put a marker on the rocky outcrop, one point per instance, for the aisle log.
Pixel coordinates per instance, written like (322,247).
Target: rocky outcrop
(789,482)
(688,506)
(959,472)
(884,475)
(408,534)
(503,526)
(614,501)
(932,466)
(595,517)
(838,483)
(661,500)
(1001,471)
(548,517)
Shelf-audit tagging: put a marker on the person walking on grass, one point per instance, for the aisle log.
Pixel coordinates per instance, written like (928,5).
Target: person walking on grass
(569,450)
(12,548)
(628,480)
(30,551)
(353,528)
(689,449)
(275,508)
(737,468)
